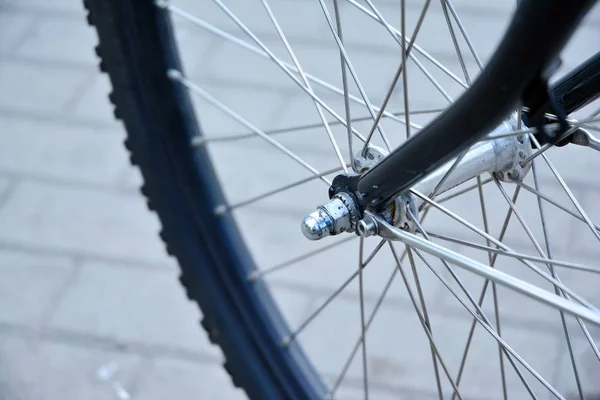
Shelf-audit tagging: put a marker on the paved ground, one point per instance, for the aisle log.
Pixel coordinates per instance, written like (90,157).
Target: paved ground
(90,305)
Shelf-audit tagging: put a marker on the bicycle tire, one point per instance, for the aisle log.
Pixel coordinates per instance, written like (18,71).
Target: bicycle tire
(159,123)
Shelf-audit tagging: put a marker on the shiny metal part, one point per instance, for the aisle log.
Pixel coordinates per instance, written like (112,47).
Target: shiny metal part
(367,226)
(401,217)
(501,157)
(372,156)
(582,137)
(339,214)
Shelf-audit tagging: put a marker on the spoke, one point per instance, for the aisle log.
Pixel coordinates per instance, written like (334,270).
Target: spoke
(263,51)
(224,208)
(286,340)
(475,304)
(455,42)
(520,256)
(362,319)
(553,126)
(562,183)
(437,187)
(554,203)
(480,318)
(426,320)
(398,36)
(511,281)
(463,191)
(547,146)
(359,86)
(338,25)
(352,354)
(418,244)
(258,274)
(556,290)
(309,87)
(552,271)
(462,29)
(584,310)
(480,303)
(202,139)
(517,214)
(177,76)
(426,326)
(258,51)
(399,71)
(405,67)
(494,293)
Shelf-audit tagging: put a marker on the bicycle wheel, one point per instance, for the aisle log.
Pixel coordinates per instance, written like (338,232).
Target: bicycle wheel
(291,315)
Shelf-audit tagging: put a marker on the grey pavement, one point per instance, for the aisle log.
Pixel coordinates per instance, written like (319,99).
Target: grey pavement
(90,304)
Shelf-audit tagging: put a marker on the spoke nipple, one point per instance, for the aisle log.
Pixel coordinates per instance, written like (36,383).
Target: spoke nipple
(285,341)
(367,226)
(174,74)
(198,140)
(220,209)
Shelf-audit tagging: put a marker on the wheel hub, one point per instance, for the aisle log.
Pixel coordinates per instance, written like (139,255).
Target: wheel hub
(503,156)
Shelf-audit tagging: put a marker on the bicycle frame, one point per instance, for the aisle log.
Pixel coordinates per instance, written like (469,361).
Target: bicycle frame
(524,54)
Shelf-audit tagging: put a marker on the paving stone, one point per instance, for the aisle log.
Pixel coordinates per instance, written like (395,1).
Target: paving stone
(33,88)
(171,378)
(60,7)
(60,40)
(583,238)
(13,27)
(131,177)
(132,305)
(29,284)
(46,370)
(61,152)
(93,103)
(82,220)
(399,355)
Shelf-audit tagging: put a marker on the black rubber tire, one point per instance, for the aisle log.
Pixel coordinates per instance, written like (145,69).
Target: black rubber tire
(136,49)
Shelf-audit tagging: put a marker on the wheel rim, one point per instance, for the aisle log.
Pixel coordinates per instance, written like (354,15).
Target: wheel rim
(445,376)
